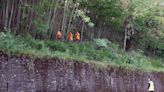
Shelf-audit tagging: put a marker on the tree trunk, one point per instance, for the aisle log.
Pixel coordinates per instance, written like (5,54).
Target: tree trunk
(92,36)
(4,12)
(11,15)
(49,20)
(125,34)
(129,32)
(53,19)
(99,32)
(6,16)
(18,17)
(64,19)
(71,19)
(30,21)
(82,30)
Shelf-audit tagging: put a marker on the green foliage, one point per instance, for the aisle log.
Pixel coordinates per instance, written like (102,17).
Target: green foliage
(86,19)
(107,11)
(41,26)
(100,50)
(101,42)
(145,13)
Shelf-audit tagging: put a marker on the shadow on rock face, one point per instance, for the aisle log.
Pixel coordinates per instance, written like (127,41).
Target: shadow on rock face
(57,75)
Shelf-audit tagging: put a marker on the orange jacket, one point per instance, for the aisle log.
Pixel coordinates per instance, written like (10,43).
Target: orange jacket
(77,35)
(70,36)
(58,34)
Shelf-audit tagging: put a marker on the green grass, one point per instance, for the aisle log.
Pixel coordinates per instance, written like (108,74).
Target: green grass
(99,52)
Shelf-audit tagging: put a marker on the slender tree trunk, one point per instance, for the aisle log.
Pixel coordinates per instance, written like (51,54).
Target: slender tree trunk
(99,32)
(6,16)
(125,39)
(64,18)
(30,22)
(50,12)
(23,19)
(18,17)
(125,34)
(92,33)
(11,15)
(53,19)
(1,15)
(4,13)
(71,19)
(49,20)
(82,30)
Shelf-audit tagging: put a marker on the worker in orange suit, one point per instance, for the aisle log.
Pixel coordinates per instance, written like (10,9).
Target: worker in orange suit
(70,37)
(77,36)
(58,35)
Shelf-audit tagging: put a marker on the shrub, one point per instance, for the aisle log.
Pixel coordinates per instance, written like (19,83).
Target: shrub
(85,50)
(59,46)
(101,43)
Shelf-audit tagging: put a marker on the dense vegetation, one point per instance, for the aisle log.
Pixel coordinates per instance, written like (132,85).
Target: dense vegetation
(100,51)
(30,26)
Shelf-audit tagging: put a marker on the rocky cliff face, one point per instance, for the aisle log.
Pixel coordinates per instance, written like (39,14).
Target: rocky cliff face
(22,74)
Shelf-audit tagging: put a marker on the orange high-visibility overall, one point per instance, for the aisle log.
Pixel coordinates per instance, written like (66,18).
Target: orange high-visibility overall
(77,36)
(70,36)
(59,35)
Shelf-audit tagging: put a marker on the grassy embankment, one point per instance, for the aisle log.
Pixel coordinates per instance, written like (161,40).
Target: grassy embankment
(100,51)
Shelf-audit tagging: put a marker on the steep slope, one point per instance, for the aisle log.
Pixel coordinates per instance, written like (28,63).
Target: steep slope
(23,74)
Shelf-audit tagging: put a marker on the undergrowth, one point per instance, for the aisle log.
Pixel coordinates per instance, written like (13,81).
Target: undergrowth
(100,51)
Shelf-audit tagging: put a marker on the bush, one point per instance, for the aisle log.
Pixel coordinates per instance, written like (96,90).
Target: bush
(107,52)
(60,46)
(101,43)
(73,48)
(86,48)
